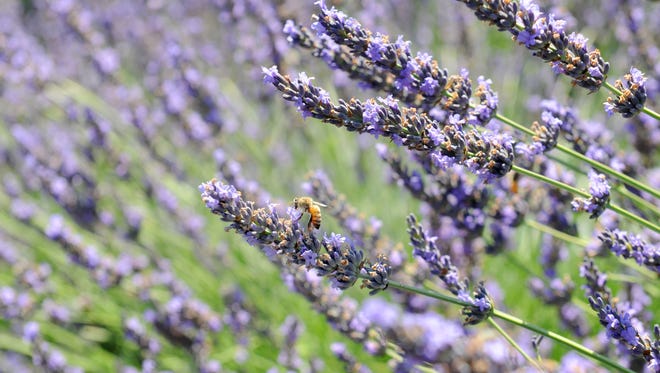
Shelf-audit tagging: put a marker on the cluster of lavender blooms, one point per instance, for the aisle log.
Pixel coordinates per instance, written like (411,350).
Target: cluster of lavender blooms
(340,260)
(600,196)
(90,159)
(112,111)
(488,155)
(620,320)
(633,95)
(481,305)
(182,319)
(546,37)
(377,318)
(422,115)
(631,246)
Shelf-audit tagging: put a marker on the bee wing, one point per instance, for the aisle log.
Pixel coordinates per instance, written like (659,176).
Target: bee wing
(320,204)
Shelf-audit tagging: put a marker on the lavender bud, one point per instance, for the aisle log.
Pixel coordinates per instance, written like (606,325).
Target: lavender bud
(378,273)
(600,196)
(631,246)
(633,95)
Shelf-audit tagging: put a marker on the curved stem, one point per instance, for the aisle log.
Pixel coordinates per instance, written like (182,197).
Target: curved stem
(623,212)
(609,171)
(428,293)
(640,202)
(651,113)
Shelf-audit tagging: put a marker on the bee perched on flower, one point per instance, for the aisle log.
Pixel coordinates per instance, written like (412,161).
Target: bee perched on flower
(308,205)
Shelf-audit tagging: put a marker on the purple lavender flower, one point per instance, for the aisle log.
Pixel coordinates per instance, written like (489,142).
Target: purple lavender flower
(596,281)
(599,189)
(58,314)
(351,364)
(135,331)
(378,275)
(619,327)
(574,362)
(487,154)
(31,331)
(547,39)
(488,103)
(342,262)
(633,95)
(441,266)
(631,246)
(417,81)
(381,312)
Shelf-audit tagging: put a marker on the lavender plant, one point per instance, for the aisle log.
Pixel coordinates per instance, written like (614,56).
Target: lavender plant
(472,196)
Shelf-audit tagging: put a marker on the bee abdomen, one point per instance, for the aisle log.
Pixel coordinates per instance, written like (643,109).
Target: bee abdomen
(316,222)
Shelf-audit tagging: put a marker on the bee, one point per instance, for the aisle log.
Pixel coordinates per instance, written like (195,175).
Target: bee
(307,204)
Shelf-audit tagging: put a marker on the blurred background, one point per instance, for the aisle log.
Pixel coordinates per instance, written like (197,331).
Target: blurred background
(114,112)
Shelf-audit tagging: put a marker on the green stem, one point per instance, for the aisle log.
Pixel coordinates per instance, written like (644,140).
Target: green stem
(551,181)
(623,212)
(516,321)
(649,275)
(556,233)
(640,202)
(595,164)
(651,113)
(514,344)
(428,293)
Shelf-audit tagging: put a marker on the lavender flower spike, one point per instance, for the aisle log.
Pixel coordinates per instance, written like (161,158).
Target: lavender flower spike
(481,305)
(632,98)
(545,37)
(619,327)
(342,262)
(486,154)
(600,196)
(414,77)
(631,246)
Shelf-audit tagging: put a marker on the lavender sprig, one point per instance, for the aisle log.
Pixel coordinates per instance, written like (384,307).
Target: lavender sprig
(619,327)
(481,306)
(486,154)
(226,202)
(600,196)
(418,75)
(631,97)
(546,38)
(44,355)
(342,262)
(629,245)
(337,31)
(343,43)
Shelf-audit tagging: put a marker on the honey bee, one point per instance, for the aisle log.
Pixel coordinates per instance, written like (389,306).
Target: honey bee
(307,204)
